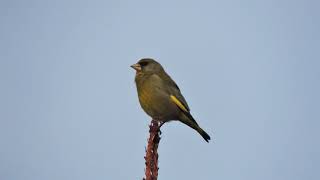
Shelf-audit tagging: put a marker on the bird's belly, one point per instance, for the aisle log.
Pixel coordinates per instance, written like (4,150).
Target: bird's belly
(157,104)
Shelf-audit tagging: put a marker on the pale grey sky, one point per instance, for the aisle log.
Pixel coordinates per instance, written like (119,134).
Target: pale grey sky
(248,69)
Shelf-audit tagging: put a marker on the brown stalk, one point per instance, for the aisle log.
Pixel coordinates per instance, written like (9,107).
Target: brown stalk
(151,171)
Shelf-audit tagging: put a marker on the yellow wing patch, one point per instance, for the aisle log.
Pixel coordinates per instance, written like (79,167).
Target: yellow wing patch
(178,103)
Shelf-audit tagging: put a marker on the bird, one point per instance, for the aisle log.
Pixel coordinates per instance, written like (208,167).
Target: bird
(160,97)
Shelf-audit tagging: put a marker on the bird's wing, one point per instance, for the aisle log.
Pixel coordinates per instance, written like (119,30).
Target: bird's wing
(178,103)
(182,106)
(174,91)
(176,96)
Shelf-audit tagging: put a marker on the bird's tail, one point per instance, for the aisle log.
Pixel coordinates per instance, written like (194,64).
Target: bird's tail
(205,135)
(189,121)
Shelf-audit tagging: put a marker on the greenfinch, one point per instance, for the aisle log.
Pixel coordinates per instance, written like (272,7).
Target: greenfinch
(160,97)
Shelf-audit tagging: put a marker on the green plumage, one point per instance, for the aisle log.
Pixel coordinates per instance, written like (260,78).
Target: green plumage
(154,88)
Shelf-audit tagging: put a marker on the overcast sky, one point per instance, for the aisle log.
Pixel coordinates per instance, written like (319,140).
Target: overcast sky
(249,70)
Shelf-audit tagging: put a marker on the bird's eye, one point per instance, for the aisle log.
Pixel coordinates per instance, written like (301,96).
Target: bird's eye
(143,63)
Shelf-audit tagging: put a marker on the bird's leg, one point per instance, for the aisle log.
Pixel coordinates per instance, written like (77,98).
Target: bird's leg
(161,123)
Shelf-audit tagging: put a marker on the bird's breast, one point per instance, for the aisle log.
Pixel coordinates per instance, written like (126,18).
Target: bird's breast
(156,103)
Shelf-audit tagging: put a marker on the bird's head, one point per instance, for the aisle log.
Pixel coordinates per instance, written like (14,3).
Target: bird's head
(147,65)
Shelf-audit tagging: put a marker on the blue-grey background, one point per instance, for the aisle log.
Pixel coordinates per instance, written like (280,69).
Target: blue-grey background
(249,69)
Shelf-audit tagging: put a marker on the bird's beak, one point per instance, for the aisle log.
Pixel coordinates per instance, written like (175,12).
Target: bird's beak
(137,67)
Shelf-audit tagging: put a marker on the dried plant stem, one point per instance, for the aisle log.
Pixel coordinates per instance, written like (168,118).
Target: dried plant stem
(151,171)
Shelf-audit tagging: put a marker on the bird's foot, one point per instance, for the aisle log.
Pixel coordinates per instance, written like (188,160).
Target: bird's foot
(159,124)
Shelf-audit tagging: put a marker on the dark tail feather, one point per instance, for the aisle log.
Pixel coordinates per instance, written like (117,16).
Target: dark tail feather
(189,121)
(204,134)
